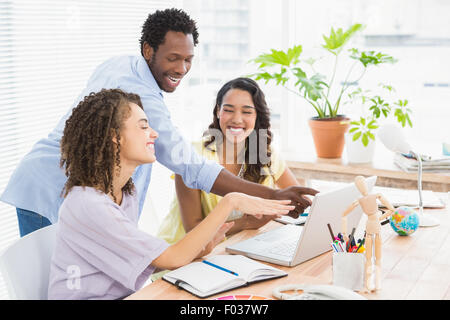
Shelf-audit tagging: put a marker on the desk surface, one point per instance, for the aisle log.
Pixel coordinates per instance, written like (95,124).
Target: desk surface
(413,267)
(306,165)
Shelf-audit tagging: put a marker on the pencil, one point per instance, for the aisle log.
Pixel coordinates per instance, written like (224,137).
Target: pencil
(331,232)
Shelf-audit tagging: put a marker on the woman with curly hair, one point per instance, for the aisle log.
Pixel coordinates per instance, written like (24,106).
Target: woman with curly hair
(239,138)
(100,253)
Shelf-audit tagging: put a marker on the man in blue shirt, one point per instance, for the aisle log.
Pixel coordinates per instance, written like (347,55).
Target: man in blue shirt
(167,48)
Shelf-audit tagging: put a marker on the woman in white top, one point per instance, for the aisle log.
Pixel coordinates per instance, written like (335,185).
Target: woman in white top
(100,252)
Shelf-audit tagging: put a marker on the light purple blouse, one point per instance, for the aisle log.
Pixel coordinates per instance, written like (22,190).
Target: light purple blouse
(100,253)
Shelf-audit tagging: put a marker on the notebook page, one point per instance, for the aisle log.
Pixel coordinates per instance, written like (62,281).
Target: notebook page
(203,277)
(247,268)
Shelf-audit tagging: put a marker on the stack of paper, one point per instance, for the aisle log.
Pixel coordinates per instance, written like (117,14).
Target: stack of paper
(401,197)
(429,164)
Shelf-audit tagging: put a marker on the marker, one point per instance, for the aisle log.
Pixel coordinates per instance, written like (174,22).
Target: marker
(333,245)
(353,232)
(349,243)
(361,244)
(219,267)
(340,245)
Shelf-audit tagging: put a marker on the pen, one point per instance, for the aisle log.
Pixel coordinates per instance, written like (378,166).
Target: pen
(352,243)
(333,245)
(340,245)
(219,267)
(353,232)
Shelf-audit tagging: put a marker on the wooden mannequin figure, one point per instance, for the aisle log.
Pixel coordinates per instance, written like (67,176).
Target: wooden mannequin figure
(369,206)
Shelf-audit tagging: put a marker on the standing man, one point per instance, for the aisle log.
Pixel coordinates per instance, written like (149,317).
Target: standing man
(167,50)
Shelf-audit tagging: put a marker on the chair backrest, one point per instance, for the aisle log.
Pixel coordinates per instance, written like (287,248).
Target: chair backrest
(25,264)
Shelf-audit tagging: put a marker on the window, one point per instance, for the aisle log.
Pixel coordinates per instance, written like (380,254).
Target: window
(416,32)
(48,49)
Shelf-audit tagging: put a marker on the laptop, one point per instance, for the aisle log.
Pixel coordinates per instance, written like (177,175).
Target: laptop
(290,245)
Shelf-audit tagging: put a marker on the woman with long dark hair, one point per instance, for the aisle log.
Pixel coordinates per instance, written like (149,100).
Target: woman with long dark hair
(239,138)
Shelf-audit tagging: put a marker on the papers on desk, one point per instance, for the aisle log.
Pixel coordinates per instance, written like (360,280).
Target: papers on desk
(289,220)
(429,163)
(401,197)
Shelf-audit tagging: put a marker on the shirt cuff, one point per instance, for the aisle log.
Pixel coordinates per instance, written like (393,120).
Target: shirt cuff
(208,175)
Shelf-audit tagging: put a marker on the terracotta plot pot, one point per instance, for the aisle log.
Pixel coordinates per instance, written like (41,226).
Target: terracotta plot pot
(328,135)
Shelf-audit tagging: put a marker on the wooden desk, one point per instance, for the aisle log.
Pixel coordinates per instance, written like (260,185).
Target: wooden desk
(413,267)
(306,166)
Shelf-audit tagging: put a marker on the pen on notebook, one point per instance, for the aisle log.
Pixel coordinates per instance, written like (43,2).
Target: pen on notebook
(219,267)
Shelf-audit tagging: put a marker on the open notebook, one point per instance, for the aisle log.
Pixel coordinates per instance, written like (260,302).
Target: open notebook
(204,279)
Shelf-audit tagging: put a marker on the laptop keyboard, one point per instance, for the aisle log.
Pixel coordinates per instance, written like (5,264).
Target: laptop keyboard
(269,236)
(287,246)
(280,242)
(286,249)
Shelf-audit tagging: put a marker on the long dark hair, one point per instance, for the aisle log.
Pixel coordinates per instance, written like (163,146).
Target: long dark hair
(254,171)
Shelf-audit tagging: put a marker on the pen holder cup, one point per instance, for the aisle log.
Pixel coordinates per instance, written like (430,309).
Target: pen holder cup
(348,270)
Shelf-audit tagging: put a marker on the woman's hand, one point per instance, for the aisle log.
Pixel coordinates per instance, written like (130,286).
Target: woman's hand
(255,222)
(258,206)
(218,238)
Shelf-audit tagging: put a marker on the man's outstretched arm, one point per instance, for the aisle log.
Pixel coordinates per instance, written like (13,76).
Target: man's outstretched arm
(227,182)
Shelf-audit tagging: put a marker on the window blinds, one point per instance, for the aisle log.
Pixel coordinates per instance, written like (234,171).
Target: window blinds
(48,49)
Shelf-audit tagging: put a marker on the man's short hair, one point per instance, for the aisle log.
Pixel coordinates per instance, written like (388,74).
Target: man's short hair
(160,22)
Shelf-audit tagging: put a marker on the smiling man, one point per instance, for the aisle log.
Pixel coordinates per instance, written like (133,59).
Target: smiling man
(167,51)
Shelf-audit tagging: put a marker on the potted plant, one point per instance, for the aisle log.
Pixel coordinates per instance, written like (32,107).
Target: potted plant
(299,76)
(360,139)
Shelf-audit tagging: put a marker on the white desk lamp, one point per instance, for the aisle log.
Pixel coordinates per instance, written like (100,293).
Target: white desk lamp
(393,139)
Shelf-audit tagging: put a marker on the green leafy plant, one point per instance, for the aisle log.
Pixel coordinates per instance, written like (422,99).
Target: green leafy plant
(282,66)
(374,109)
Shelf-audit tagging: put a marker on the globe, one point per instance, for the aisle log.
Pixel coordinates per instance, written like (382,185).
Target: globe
(404,221)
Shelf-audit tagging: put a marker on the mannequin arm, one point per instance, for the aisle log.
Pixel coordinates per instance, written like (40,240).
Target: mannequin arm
(350,208)
(344,219)
(387,204)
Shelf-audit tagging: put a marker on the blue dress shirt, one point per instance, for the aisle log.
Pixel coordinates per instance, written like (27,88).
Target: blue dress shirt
(38,180)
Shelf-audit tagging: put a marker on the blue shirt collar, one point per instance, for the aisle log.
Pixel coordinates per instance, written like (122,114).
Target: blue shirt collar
(145,74)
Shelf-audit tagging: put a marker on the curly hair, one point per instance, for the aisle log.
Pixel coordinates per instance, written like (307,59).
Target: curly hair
(88,153)
(253,171)
(160,22)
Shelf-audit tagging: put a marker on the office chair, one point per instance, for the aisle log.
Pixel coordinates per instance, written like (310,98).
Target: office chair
(25,265)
